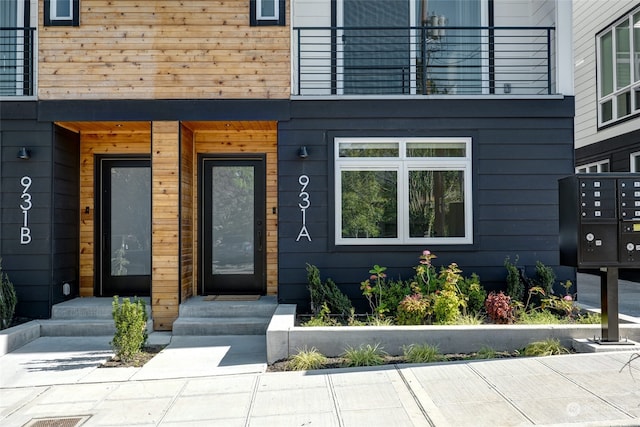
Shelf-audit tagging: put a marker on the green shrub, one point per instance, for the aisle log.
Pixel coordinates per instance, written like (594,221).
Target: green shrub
(588,318)
(475,293)
(546,347)
(393,292)
(515,287)
(545,277)
(322,318)
(423,353)
(307,359)
(326,293)
(8,299)
(131,327)
(413,310)
(448,301)
(365,355)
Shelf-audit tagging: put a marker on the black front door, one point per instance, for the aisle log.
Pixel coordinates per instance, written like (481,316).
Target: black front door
(123,227)
(232,212)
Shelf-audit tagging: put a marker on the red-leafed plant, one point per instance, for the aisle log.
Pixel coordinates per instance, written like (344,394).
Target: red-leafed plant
(499,308)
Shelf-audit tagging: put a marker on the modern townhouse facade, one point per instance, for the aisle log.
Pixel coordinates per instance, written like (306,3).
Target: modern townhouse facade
(607,79)
(172,149)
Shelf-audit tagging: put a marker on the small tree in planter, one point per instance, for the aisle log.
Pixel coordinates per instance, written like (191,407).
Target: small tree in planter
(8,299)
(131,327)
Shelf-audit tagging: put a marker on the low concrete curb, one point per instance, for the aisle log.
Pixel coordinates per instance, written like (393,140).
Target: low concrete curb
(17,336)
(284,339)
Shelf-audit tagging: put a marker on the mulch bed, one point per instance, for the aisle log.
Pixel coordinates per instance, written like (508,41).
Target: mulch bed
(137,361)
(341,362)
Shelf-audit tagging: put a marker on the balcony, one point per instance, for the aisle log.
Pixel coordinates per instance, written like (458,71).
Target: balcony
(424,60)
(17,66)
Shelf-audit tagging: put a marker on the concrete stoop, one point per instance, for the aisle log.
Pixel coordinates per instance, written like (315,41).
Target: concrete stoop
(201,316)
(90,316)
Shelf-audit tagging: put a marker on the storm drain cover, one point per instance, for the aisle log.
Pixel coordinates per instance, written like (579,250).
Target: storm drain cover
(57,422)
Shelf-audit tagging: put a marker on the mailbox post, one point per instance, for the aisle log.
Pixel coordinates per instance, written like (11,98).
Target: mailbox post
(600,228)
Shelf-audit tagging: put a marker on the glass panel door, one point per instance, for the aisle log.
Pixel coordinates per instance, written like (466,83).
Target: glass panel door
(233,226)
(125,227)
(376,61)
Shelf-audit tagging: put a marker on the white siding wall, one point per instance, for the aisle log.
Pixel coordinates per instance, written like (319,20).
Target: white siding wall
(589,17)
(313,13)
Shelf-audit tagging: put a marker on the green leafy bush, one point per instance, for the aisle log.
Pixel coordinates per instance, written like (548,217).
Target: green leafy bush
(474,292)
(326,293)
(323,318)
(448,301)
(413,310)
(423,353)
(365,355)
(8,299)
(307,359)
(515,287)
(486,352)
(131,327)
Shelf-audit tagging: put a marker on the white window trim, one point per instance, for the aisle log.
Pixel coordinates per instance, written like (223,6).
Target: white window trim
(598,165)
(632,161)
(53,13)
(403,165)
(631,88)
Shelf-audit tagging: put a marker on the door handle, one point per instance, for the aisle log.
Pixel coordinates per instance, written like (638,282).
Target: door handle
(259,241)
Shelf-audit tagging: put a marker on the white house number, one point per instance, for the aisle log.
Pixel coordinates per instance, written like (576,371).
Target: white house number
(25,205)
(303,180)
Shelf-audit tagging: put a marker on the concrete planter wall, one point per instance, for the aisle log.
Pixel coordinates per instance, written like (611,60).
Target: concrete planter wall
(284,339)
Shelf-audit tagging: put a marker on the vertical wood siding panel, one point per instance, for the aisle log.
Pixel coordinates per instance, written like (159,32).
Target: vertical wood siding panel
(165,227)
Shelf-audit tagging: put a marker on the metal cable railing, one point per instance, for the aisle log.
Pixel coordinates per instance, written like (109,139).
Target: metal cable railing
(17,66)
(423,60)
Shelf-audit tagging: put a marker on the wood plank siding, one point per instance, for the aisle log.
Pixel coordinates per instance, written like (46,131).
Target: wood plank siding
(158,49)
(100,139)
(248,137)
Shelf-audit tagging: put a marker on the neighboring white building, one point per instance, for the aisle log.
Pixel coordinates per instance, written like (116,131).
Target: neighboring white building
(607,85)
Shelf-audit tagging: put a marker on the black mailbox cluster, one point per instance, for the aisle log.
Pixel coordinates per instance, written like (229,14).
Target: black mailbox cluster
(600,220)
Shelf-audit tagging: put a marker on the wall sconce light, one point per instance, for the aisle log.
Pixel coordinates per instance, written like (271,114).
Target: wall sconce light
(303,153)
(24,154)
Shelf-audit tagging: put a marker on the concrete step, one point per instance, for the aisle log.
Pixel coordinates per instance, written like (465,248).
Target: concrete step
(80,327)
(88,308)
(200,307)
(220,326)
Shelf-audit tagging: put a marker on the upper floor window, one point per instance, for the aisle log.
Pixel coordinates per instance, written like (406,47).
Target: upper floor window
(403,191)
(618,50)
(267,12)
(595,167)
(62,12)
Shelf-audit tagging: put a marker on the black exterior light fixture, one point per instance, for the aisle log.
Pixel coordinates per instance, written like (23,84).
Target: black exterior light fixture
(302,152)
(24,153)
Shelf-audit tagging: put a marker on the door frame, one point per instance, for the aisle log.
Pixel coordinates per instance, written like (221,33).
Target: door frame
(99,244)
(262,261)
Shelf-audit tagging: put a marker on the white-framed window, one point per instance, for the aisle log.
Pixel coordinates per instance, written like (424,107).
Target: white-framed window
(403,191)
(595,167)
(267,12)
(62,12)
(618,65)
(634,162)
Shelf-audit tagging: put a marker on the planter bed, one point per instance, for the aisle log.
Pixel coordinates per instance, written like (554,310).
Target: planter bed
(284,339)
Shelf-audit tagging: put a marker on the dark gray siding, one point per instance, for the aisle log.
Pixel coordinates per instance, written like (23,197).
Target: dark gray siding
(617,150)
(27,265)
(66,209)
(520,150)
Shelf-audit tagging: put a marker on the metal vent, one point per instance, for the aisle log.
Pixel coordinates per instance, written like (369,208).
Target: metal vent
(57,422)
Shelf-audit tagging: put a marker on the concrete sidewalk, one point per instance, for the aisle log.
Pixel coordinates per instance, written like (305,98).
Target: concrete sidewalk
(221,381)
